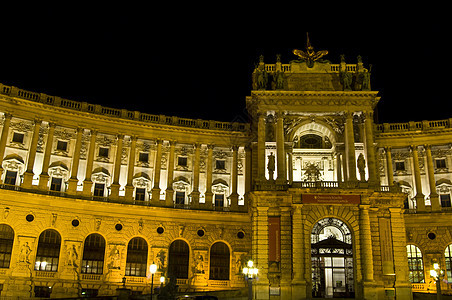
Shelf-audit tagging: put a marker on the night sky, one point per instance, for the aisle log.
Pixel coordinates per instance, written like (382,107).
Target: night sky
(193,60)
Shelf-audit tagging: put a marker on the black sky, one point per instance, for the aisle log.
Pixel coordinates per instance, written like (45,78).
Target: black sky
(196,61)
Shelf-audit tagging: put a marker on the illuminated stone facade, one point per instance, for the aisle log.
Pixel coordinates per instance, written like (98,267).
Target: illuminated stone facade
(323,200)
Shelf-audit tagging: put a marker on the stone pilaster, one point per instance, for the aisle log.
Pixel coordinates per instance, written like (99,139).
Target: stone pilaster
(261,147)
(131,168)
(157,168)
(3,139)
(370,149)
(28,175)
(260,251)
(87,183)
(170,174)
(117,168)
(208,195)
(195,192)
(72,186)
(298,254)
(420,201)
(434,197)
(234,195)
(44,176)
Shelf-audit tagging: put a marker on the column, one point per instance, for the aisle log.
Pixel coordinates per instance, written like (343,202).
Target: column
(298,281)
(72,186)
(87,183)
(208,195)
(370,150)
(28,175)
(280,152)
(195,192)
(338,167)
(44,176)
(261,147)
(434,197)
(350,147)
(3,139)
(117,170)
(260,251)
(131,168)
(290,165)
(420,202)
(170,174)
(157,167)
(366,243)
(389,168)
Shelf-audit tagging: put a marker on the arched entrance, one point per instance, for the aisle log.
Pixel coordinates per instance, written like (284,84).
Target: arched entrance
(332,260)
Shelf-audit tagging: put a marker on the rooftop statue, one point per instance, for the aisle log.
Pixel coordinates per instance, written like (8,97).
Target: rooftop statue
(310,56)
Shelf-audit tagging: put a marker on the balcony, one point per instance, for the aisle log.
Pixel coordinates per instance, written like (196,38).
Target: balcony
(273,186)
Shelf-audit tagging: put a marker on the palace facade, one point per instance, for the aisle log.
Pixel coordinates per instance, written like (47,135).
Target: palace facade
(323,200)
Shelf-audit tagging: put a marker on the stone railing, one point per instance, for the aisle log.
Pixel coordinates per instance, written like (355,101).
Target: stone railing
(334,68)
(273,186)
(414,126)
(121,113)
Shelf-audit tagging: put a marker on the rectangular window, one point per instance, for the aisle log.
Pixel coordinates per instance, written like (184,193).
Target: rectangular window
(220,164)
(10,177)
(18,137)
(180,198)
(441,163)
(103,152)
(445,200)
(62,145)
(400,166)
(219,200)
(182,161)
(55,184)
(143,157)
(140,194)
(99,189)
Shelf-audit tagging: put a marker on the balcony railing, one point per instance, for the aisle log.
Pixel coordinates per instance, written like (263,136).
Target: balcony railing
(120,200)
(272,186)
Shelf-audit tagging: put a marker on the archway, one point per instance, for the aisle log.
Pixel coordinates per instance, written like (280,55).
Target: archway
(332,260)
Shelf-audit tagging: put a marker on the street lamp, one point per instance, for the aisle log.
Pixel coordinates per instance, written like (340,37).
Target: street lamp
(152,269)
(438,274)
(250,271)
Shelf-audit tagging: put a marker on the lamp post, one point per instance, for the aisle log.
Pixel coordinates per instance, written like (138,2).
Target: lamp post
(438,274)
(152,269)
(250,272)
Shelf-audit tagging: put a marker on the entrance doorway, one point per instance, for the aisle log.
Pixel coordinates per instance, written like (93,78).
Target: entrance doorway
(332,260)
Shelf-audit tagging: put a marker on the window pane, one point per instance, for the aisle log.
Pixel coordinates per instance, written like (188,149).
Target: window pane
(48,251)
(219,261)
(93,254)
(137,254)
(178,257)
(6,245)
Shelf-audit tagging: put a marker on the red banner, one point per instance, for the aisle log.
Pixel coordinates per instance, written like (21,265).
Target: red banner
(330,199)
(274,239)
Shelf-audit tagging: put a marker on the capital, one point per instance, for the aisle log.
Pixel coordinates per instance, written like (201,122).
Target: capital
(235,147)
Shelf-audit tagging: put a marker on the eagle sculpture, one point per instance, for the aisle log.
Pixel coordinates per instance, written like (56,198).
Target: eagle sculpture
(310,56)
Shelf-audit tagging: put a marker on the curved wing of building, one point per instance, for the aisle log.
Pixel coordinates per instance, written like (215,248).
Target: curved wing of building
(323,200)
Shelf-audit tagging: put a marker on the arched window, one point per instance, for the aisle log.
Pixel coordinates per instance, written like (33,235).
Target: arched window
(448,257)
(93,254)
(178,259)
(48,252)
(415,264)
(6,245)
(219,261)
(137,257)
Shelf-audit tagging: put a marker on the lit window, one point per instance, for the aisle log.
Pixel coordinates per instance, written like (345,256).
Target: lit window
(6,245)
(137,257)
(415,264)
(448,257)
(48,252)
(93,254)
